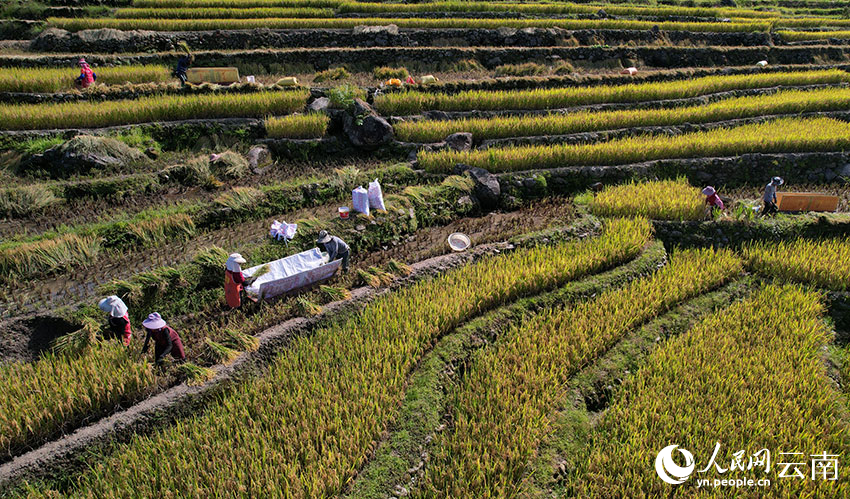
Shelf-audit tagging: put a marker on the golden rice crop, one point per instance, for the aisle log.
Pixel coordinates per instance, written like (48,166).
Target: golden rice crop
(38,398)
(311,418)
(78,24)
(220,13)
(232,4)
(148,109)
(799,36)
(195,374)
(411,102)
(782,135)
(810,22)
(750,377)
(786,102)
(550,8)
(298,126)
(822,262)
(501,406)
(658,200)
(58,79)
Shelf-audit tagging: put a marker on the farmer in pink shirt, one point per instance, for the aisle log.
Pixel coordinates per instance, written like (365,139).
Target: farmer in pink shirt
(712,199)
(87,76)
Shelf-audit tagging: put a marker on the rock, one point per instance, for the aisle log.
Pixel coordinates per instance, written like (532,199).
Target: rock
(389,29)
(259,156)
(487,188)
(84,153)
(728,3)
(319,105)
(601,14)
(829,175)
(465,203)
(106,35)
(365,128)
(460,141)
(845,172)
(51,37)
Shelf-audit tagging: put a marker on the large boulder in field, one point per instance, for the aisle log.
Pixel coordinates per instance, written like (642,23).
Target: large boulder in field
(85,153)
(487,189)
(51,39)
(460,141)
(108,35)
(259,156)
(389,29)
(365,128)
(319,105)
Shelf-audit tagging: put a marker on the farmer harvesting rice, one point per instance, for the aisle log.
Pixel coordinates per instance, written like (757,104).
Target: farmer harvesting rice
(335,247)
(234,281)
(117,318)
(712,199)
(166,340)
(183,64)
(770,196)
(87,76)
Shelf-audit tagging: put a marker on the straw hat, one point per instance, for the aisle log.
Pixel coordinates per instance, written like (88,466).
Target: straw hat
(324,237)
(154,321)
(113,306)
(708,191)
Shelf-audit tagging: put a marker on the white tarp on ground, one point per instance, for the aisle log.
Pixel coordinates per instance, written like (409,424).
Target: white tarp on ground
(286,267)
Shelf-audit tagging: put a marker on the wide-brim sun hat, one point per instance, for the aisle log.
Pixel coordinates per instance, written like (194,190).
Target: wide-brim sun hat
(154,321)
(708,191)
(113,305)
(778,180)
(234,261)
(324,237)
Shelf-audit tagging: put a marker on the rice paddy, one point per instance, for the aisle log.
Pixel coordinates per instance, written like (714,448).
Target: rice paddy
(537,300)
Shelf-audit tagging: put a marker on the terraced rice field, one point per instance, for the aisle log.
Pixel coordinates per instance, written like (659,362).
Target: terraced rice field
(606,334)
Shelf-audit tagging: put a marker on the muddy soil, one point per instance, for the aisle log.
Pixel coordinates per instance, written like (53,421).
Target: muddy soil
(24,340)
(495,226)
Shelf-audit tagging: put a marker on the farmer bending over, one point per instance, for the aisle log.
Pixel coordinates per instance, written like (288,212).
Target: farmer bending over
(117,318)
(166,340)
(87,76)
(712,199)
(335,247)
(770,196)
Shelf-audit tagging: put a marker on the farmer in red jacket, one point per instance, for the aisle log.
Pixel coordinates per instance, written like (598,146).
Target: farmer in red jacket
(166,340)
(87,76)
(234,281)
(117,318)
